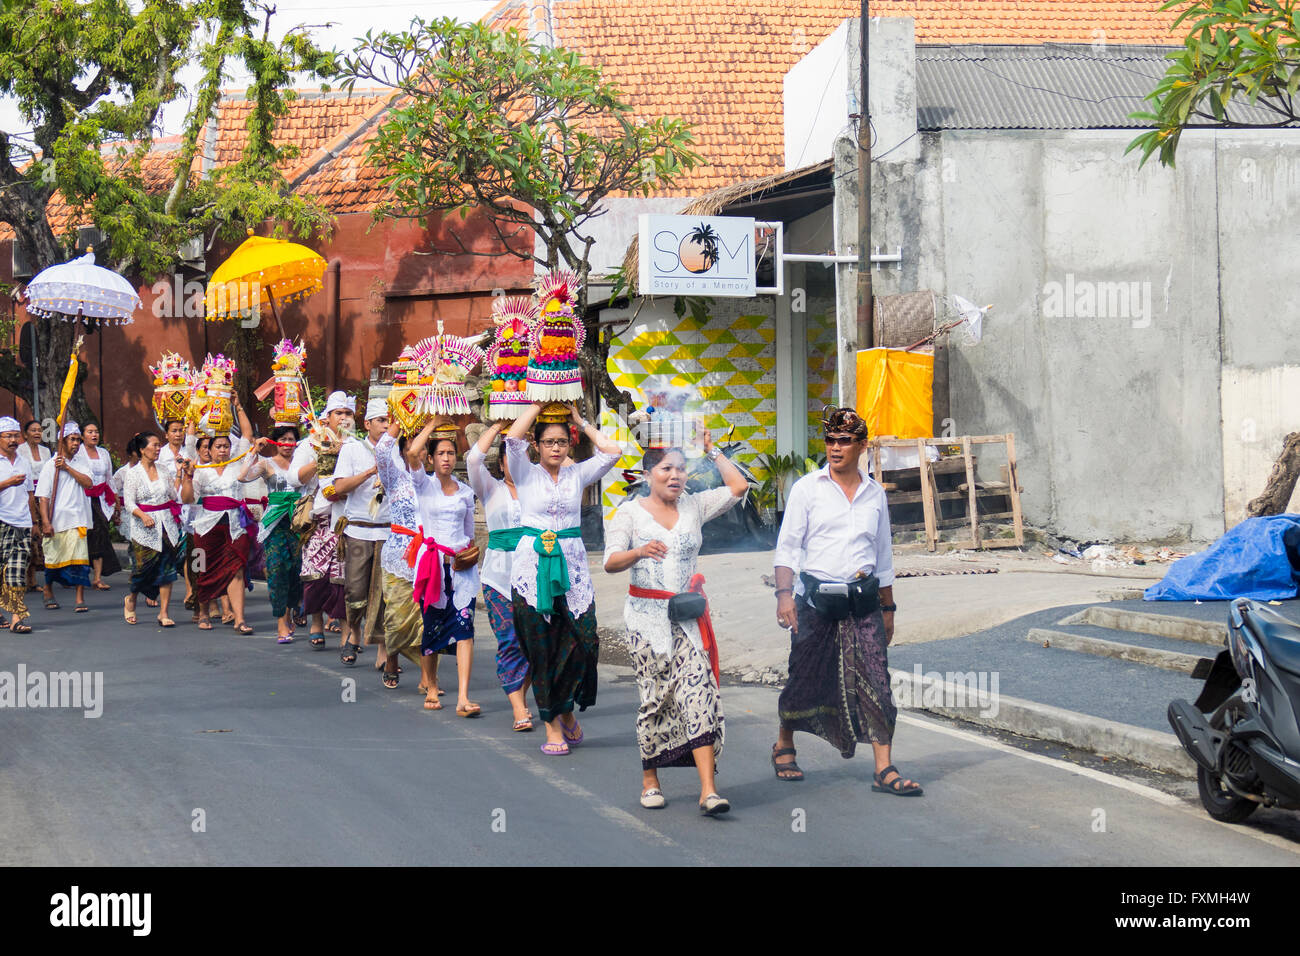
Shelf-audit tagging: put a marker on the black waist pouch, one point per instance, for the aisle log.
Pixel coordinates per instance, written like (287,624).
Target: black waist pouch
(835,602)
(687,606)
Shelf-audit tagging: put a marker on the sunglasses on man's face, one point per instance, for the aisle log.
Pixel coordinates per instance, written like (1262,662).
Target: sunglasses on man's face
(840,440)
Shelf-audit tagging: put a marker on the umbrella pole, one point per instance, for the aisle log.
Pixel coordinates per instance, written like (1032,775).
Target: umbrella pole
(274,314)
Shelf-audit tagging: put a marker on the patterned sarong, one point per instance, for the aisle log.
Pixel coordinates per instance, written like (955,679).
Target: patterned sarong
(512,665)
(283,568)
(562,655)
(445,627)
(16,553)
(838,687)
(322,572)
(680,705)
(223,561)
(153,569)
(403,624)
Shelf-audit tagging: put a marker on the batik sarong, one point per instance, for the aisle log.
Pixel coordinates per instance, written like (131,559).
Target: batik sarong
(153,569)
(445,627)
(838,687)
(223,561)
(322,572)
(283,550)
(681,708)
(403,623)
(16,553)
(67,558)
(512,665)
(100,543)
(562,655)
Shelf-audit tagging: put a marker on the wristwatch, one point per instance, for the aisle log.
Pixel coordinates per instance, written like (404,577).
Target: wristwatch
(713,454)
(889,608)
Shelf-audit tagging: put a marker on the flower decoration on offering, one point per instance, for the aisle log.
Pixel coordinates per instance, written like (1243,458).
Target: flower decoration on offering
(404,398)
(286,368)
(553,371)
(212,404)
(173,379)
(445,361)
(507,359)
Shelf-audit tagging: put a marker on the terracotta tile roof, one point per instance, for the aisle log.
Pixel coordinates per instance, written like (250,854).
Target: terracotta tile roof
(315,122)
(720,64)
(337,174)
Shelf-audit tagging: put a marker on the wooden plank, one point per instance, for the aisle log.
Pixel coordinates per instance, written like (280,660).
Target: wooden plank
(1017,522)
(970,485)
(931,533)
(875,464)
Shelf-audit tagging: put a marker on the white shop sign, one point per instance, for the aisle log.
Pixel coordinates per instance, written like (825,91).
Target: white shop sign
(698,255)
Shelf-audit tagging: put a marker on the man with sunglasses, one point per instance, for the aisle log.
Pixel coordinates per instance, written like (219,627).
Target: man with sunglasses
(839,608)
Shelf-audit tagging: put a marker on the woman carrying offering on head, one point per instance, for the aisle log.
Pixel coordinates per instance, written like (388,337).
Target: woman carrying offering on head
(551,592)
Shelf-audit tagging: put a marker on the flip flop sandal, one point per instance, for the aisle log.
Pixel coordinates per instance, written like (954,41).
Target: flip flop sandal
(51,605)
(82,608)
(653,799)
(390,680)
(287,639)
(896,787)
(555,750)
(101,586)
(334,628)
(166,622)
(244,629)
(790,767)
(317,640)
(20,628)
(227,621)
(205,625)
(350,652)
(434,704)
(569,738)
(473,710)
(523,725)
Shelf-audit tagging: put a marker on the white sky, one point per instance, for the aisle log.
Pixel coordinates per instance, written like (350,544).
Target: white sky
(346,19)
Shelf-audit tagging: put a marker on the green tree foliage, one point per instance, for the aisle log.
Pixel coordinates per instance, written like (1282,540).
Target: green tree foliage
(91,78)
(1235,50)
(529,137)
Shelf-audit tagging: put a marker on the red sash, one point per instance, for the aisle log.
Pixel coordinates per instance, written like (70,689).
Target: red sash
(705,621)
(102,491)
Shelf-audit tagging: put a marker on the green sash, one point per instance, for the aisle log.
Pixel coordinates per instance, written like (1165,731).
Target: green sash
(279,505)
(552,568)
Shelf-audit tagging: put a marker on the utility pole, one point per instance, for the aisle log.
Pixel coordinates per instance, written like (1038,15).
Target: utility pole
(866,329)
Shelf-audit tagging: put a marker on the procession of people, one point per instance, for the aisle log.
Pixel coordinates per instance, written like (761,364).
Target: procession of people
(370,533)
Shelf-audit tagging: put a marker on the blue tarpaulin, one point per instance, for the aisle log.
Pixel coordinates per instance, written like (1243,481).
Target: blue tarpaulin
(1258,559)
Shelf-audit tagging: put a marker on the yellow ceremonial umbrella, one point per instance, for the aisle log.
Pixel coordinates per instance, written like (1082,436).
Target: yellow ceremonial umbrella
(259,272)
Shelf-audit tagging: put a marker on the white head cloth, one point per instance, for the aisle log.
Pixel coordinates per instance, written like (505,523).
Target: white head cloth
(339,400)
(376,408)
(8,424)
(70,428)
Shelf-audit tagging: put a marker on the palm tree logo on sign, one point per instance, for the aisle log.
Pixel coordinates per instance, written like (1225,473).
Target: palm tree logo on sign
(698,252)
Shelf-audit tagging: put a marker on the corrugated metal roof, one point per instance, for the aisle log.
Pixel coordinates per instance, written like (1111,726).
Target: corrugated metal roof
(1050,86)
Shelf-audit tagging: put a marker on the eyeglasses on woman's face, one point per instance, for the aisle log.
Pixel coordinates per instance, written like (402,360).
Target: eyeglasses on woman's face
(554,443)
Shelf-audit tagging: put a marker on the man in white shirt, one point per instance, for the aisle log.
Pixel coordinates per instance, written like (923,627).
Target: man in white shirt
(840,611)
(65,512)
(17,506)
(365,529)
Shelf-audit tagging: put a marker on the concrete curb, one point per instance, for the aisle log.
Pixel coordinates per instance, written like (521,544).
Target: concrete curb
(1152,656)
(1109,738)
(1158,625)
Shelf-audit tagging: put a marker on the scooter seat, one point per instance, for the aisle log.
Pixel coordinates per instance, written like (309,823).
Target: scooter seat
(1279,636)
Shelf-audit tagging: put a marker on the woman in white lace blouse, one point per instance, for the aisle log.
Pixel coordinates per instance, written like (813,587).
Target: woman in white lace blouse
(551,593)
(658,537)
(152,499)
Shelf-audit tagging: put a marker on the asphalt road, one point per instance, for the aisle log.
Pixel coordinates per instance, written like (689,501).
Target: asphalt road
(218,749)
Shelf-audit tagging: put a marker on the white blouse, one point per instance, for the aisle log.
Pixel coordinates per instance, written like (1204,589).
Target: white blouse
(220,482)
(449,521)
(553,505)
(100,471)
(118,484)
(139,490)
(500,510)
(632,527)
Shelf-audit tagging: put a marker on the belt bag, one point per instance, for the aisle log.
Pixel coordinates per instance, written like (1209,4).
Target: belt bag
(858,598)
(687,606)
(465,558)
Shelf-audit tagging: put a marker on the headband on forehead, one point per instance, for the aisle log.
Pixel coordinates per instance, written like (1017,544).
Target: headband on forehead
(843,419)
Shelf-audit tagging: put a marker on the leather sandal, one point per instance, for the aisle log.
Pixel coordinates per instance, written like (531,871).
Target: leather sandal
(791,768)
(896,787)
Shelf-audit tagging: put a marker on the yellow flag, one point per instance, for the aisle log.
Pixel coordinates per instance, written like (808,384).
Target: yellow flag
(69,384)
